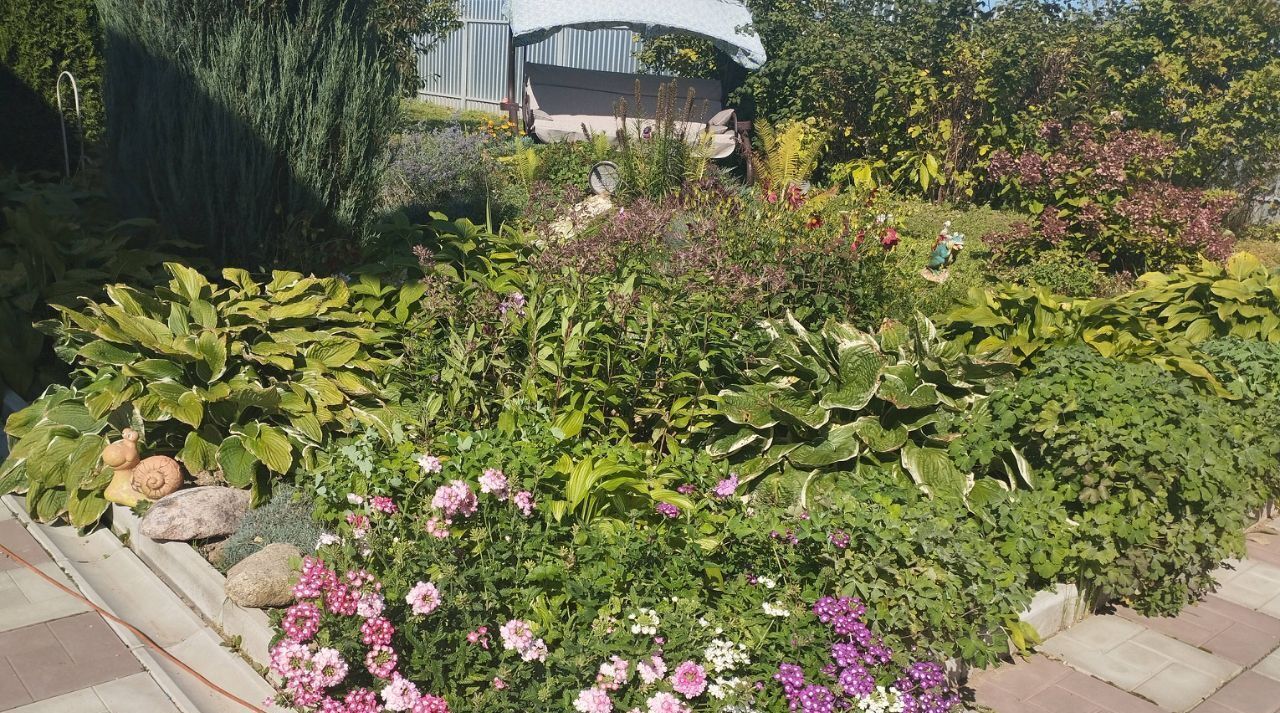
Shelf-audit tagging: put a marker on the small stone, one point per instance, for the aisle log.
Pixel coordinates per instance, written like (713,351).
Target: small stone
(195,514)
(265,578)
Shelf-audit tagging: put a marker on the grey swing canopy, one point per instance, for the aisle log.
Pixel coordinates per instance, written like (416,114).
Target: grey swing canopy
(560,102)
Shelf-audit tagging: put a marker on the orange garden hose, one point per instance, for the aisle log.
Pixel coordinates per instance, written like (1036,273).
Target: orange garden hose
(145,639)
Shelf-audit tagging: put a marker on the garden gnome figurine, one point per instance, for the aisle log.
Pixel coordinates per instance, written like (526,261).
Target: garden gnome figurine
(122,456)
(945,251)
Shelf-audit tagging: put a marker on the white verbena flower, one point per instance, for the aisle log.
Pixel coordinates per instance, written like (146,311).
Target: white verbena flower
(644,621)
(724,655)
(776,608)
(327,538)
(355,499)
(767,582)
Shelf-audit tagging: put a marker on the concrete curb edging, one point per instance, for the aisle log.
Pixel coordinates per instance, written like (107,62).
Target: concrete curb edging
(196,581)
(134,644)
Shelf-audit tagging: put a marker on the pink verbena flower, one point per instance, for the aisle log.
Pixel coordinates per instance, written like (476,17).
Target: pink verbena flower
(359,525)
(314,580)
(454,498)
(652,670)
(361,700)
(593,700)
(400,694)
(516,635)
(498,684)
(689,679)
(524,501)
(301,621)
(494,482)
(667,510)
(665,703)
(381,661)
(342,599)
(370,605)
(289,659)
(613,673)
(383,504)
(377,631)
(329,666)
(424,598)
(430,704)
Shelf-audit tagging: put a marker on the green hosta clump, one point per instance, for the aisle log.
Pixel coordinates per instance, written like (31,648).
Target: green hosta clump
(243,377)
(1240,299)
(830,400)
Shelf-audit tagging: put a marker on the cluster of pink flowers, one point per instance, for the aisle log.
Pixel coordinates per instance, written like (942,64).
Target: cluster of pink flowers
(688,680)
(495,483)
(524,502)
(383,504)
(726,487)
(423,598)
(454,498)
(517,636)
(310,672)
(430,463)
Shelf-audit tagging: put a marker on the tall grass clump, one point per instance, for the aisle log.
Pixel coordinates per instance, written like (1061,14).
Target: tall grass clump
(260,132)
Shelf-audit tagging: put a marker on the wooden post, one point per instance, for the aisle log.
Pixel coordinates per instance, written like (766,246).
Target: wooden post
(513,103)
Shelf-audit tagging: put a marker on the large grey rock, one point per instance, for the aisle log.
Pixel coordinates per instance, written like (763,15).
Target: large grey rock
(264,578)
(196,513)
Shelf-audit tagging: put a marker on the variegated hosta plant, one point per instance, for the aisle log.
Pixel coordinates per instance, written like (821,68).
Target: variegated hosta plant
(829,401)
(242,378)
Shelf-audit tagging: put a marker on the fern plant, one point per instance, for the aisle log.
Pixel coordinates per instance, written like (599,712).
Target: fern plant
(787,154)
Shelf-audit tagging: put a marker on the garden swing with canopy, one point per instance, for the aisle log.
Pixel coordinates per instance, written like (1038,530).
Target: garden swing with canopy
(567,104)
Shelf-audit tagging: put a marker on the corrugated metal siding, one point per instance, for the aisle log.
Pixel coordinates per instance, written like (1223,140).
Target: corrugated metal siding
(468,69)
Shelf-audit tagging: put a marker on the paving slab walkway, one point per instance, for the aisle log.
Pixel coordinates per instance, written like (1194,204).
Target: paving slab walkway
(58,655)
(1220,655)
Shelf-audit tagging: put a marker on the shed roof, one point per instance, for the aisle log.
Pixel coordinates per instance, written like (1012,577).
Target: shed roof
(724,22)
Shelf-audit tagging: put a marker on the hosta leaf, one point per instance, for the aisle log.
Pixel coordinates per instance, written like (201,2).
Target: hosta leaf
(238,464)
(857,377)
(188,408)
(749,406)
(155,369)
(187,281)
(85,507)
(839,444)
(933,470)
(82,465)
(242,279)
(309,426)
(877,437)
(333,353)
(292,310)
(732,442)
(101,352)
(76,415)
(204,314)
(198,453)
(896,392)
(798,408)
(213,350)
(269,445)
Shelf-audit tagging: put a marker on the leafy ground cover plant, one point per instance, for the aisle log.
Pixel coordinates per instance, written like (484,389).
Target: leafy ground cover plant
(240,379)
(1153,474)
(1250,370)
(284,518)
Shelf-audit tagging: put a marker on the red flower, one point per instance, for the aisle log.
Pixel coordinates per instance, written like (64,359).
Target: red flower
(814,221)
(795,197)
(890,238)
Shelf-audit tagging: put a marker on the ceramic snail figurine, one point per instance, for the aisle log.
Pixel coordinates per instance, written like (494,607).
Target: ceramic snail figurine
(157,476)
(122,456)
(945,251)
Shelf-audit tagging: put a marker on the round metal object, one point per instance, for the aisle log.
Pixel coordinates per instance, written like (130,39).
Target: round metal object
(604,178)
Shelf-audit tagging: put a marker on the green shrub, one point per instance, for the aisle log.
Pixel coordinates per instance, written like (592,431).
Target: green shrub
(60,243)
(1251,372)
(39,40)
(1060,271)
(1152,473)
(285,518)
(267,142)
(243,378)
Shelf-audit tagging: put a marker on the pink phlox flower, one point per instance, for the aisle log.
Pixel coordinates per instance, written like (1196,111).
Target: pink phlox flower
(437,528)
(424,598)
(429,463)
(383,504)
(455,498)
(524,502)
(494,482)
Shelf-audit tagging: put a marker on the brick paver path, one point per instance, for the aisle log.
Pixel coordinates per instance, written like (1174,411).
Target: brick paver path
(1221,655)
(56,654)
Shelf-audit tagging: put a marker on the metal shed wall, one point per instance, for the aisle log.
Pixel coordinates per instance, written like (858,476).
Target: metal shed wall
(468,69)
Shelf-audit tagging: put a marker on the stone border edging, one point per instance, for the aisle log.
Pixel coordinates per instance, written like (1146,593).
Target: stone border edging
(134,644)
(196,581)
